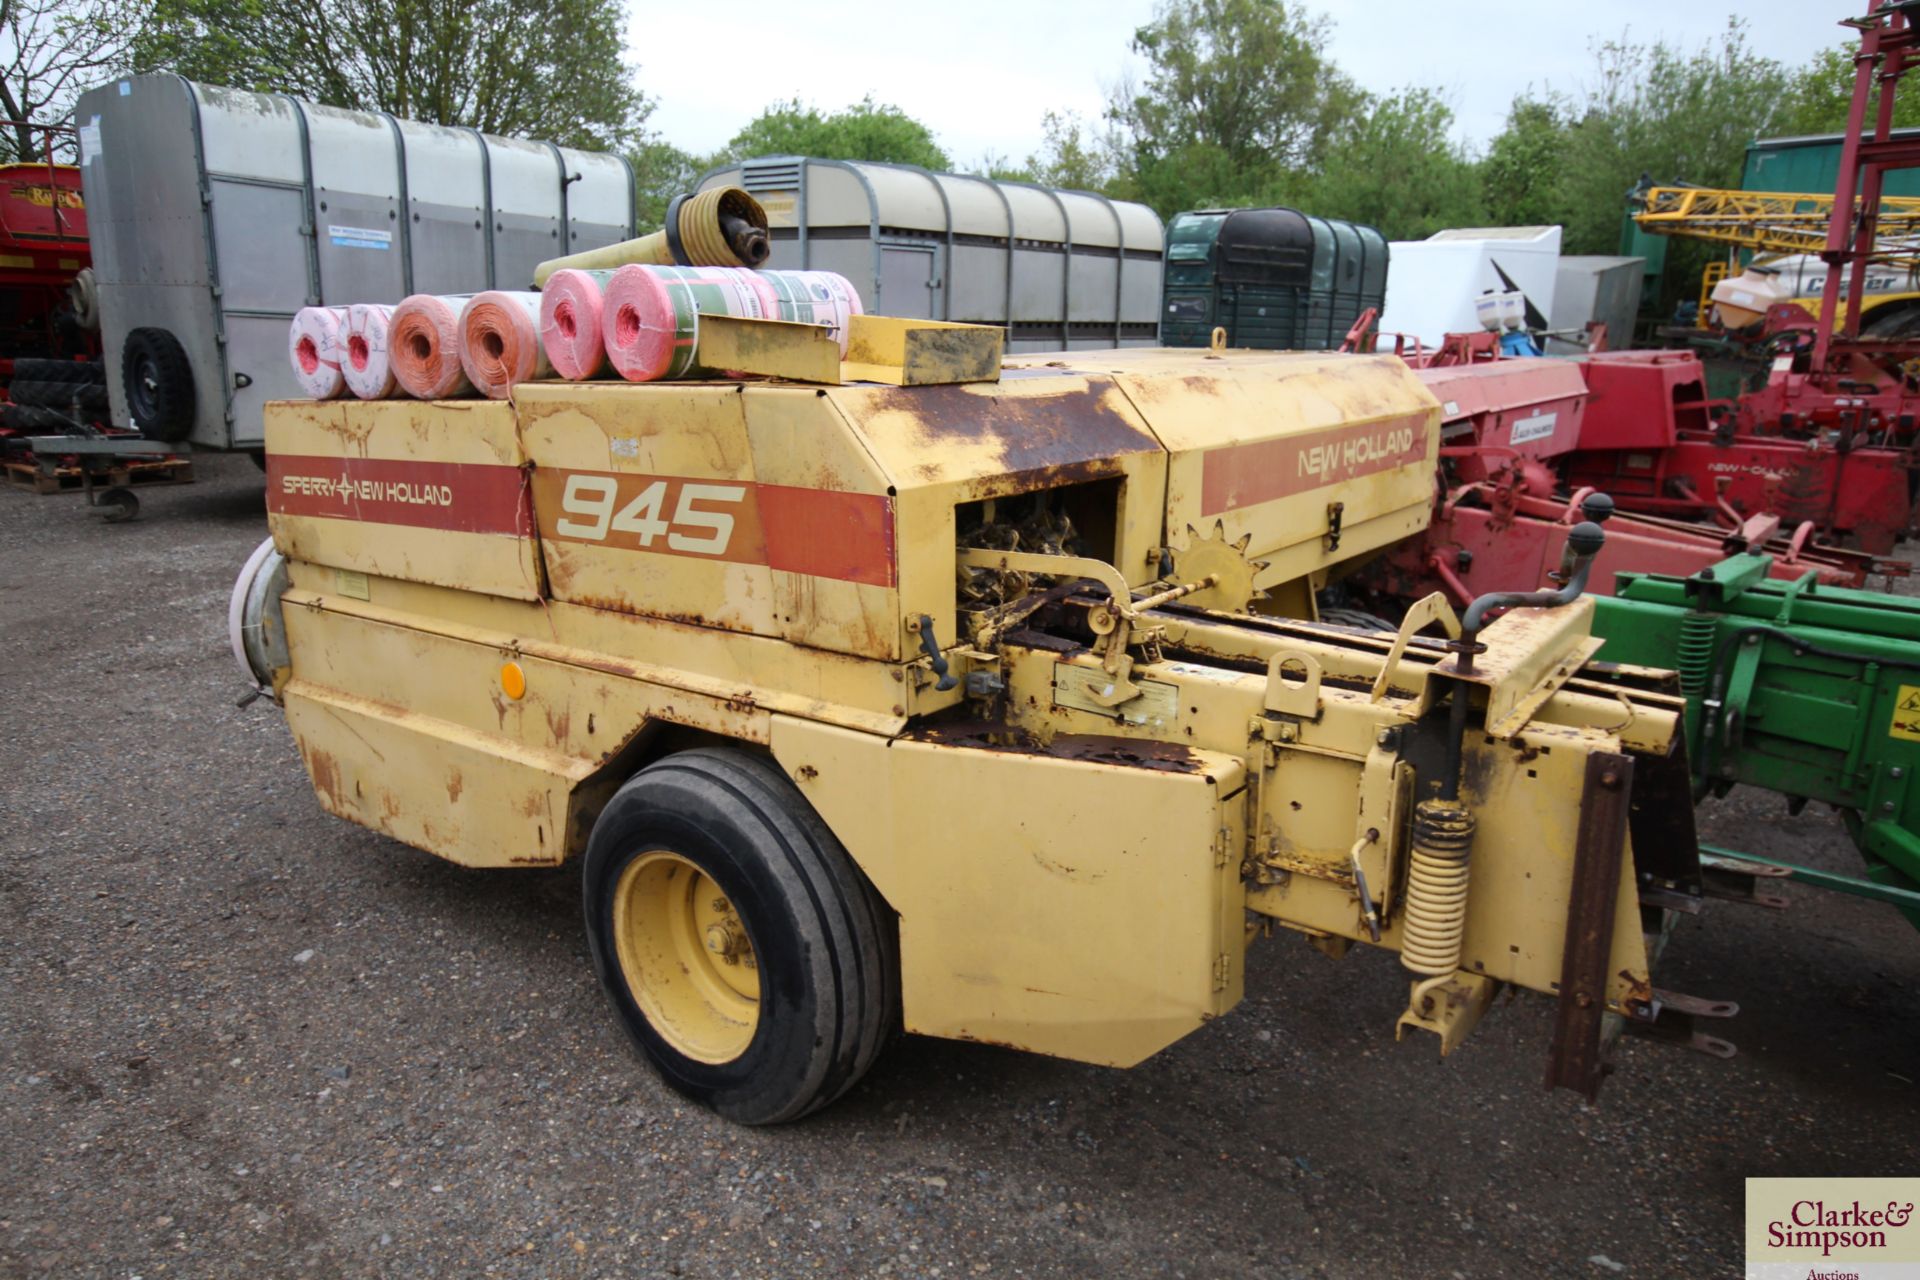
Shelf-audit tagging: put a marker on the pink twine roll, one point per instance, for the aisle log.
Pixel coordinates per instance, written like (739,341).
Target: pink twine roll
(650,316)
(571,303)
(816,297)
(500,341)
(424,338)
(314,348)
(366,367)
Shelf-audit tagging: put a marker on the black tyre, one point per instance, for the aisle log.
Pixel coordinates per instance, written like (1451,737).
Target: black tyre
(737,942)
(58,395)
(30,369)
(32,419)
(159,384)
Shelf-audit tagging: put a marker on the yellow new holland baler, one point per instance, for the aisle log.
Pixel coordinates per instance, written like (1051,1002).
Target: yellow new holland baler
(995,708)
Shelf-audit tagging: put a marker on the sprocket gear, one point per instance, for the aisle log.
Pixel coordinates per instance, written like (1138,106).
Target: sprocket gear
(1233,592)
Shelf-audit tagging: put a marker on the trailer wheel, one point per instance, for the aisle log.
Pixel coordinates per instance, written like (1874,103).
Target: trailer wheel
(740,947)
(117,506)
(159,384)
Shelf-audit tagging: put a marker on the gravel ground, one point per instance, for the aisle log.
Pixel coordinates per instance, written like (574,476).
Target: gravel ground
(238,1037)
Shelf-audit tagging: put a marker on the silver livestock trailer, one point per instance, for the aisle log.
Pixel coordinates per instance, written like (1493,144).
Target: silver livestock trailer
(1059,269)
(215,214)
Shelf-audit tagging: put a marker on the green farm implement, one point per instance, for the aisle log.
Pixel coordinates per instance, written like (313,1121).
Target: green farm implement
(1810,691)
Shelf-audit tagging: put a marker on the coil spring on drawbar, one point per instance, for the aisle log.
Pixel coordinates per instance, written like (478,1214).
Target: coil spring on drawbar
(1436,902)
(1697,632)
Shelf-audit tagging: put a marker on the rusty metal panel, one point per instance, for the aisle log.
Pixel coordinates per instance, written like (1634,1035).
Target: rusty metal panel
(942,446)
(1005,437)
(432,492)
(725,667)
(651,500)
(1575,1061)
(563,707)
(482,800)
(1317,457)
(921,352)
(1062,900)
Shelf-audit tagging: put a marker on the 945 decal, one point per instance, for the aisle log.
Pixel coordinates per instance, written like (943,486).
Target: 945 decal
(818,532)
(664,515)
(633,509)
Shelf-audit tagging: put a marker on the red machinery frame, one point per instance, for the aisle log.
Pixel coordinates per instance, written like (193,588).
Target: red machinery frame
(43,249)
(1831,438)
(1507,428)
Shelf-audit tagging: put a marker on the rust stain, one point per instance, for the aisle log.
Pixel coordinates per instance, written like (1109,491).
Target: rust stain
(1639,990)
(971,1037)
(1130,753)
(1142,753)
(606,666)
(560,567)
(806,773)
(1029,481)
(559,724)
(326,775)
(1066,872)
(455,785)
(1076,425)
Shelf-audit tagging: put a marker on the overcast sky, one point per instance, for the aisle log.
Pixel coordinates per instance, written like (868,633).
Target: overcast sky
(980,73)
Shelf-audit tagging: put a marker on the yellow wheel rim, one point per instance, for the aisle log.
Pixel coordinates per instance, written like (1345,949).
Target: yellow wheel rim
(686,957)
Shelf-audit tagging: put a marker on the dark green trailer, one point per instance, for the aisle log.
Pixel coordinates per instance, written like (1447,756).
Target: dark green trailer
(1272,278)
(1809,691)
(1811,163)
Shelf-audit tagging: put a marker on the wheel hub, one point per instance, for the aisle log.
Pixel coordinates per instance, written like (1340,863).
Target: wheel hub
(686,957)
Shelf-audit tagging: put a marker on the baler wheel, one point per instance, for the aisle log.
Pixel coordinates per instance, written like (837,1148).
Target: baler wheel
(740,947)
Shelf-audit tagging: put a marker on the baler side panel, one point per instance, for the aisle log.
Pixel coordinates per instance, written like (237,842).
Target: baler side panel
(427,492)
(680,502)
(1316,458)
(1058,905)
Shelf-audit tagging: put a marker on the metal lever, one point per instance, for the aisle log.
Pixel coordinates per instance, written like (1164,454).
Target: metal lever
(1369,913)
(931,647)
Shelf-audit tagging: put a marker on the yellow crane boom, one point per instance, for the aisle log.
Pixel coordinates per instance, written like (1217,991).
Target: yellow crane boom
(1782,222)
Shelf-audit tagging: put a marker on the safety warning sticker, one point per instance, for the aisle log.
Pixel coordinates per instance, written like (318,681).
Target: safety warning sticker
(1906,713)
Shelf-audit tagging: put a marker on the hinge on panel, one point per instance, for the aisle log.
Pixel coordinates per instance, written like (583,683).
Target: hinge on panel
(1221,965)
(1221,842)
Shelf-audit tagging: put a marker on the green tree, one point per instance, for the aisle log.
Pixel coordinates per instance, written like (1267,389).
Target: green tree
(863,131)
(1822,91)
(1397,170)
(1073,154)
(1520,175)
(1658,110)
(51,50)
(1236,92)
(661,171)
(554,70)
